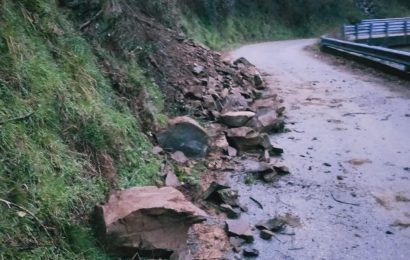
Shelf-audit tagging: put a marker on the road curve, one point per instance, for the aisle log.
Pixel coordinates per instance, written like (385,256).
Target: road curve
(349,152)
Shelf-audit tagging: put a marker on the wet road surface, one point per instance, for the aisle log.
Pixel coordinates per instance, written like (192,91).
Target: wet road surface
(349,143)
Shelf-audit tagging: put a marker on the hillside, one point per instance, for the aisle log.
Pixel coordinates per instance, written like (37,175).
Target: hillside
(85,84)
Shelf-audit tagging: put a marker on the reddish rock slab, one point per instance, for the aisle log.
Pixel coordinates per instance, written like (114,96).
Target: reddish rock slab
(150,221)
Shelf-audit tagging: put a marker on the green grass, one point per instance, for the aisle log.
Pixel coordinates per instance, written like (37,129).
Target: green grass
(235,30)
(49,159)
(260,22)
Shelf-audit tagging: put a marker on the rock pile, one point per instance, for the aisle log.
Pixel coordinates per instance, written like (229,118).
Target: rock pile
(229,94)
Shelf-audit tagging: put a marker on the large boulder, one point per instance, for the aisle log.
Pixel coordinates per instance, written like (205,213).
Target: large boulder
(186,135)
(236,118)
(150,221)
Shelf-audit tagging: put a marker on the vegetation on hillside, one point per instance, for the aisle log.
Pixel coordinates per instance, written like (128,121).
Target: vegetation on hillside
(66,134)
(221,23)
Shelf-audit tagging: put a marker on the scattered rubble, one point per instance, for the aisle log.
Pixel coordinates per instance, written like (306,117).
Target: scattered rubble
(199,83)
(231,94)
(150,221)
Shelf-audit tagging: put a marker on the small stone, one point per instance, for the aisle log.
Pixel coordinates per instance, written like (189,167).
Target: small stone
(171,180)
(327,164)
(157,150)
(269,177)
(244,208)
(266,234)
(232,152)
(231,213)
(229,196)
(236,243)
(340,178)
(198,69)
(250,252)
(211,194)
(282,170)
(266,156)
(257,167)
(179,157)
(204,82)
(274,225)
(239,228)
(275,151)
(243,61)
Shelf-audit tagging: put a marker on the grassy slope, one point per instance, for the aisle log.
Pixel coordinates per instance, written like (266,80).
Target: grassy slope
(235,30)
(289,21)
(49,159)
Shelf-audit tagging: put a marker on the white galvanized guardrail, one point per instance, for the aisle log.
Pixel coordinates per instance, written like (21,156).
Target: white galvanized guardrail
(377,28)
(373,53)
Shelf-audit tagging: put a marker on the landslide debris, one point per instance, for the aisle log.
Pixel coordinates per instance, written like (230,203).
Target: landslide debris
(199,85)
(150,221)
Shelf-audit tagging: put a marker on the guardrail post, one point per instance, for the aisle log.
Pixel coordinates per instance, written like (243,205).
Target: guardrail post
(387,29)
(356,28)
(371,31)
(344,32)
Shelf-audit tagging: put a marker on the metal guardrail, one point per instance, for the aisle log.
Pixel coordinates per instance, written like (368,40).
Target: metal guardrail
(377,28)
(371,52)
(370,31)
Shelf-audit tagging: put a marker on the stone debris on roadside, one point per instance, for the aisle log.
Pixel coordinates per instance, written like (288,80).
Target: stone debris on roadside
(150,221)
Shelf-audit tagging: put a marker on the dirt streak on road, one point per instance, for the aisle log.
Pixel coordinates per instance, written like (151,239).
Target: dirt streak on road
(349,152)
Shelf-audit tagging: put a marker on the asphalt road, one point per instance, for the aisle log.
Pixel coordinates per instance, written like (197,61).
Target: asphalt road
(349,143)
